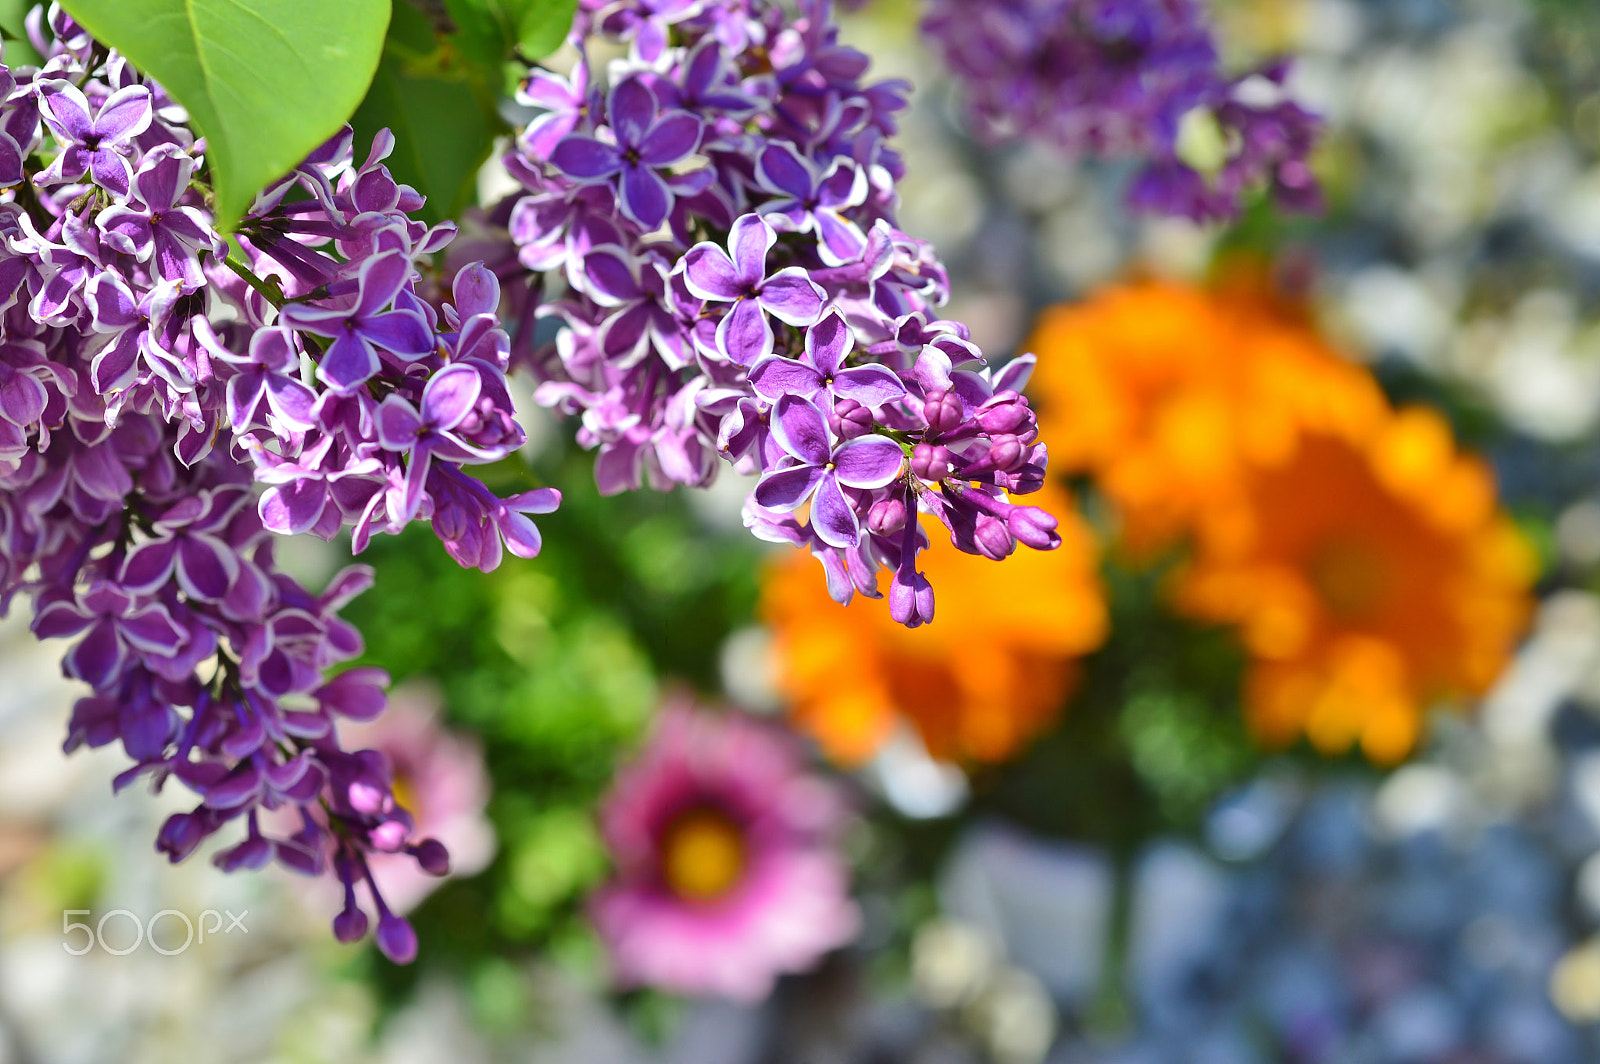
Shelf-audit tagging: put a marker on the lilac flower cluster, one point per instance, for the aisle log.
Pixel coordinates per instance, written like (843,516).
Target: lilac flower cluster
(168,401)
(723,216)
(1116,78)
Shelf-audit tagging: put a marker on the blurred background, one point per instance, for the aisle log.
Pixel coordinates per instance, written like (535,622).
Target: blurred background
(1290,753)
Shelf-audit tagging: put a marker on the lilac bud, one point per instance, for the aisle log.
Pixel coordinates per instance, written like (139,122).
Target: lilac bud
(930,461)
(396,938)
(180,835)
(849,419)
(992,538)
(911,598)
(1033,527)
(432,857)
(1007,412)
(389,836)
(942,410)
(1004,451)
(350,925)
(887,516)
(253,852)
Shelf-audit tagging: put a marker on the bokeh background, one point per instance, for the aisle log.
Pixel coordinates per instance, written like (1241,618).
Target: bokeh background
(1291,753)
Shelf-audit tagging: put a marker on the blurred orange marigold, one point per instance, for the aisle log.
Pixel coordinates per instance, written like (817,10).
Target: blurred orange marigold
(988,675)
(1361,555)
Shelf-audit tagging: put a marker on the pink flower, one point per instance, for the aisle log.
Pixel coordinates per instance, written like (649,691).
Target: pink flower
(727,875)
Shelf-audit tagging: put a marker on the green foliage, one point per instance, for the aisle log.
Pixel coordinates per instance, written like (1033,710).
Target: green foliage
(266,81)
(19,50)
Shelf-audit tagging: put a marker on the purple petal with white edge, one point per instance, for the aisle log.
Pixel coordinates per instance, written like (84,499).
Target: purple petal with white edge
(450,396)
(382,277)
(748,243)
(1014,375)
(672,139)
(476,290)
(869,385)
(148,566)
(292,508)
(113,368)
(608,273)
(207,567)
(801,430)
(152,629)
(274,349)
(840,240)
(244,397)
(537,501)
(645,199)
(745,335)
(125,114)
(98,658)
(416,480)
(400,332)
(832,517)
(349,362)
(792,296)
(292,402)
(111,302)
(58,620)
(65,110)
(868,462)
(22,399)
(584,158)
(710,274)
(785,489)
(630,109)
(399,424)
(163,176)
(777,376)
(828,342)
(128,230)
(111,171)
(781,169)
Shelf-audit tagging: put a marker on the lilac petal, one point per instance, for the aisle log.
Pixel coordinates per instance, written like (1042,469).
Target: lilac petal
(745,335)
(98,658)
(60,619)
(113,369)
(126,229)
(832,517)
(22,399)
(111,171)
(646,199)
(111,302)
(66,110)
(869,385)
(868,462)
(791,296)
(801,430)
(840,240)
(381,279)
(781,169)
(622,335)
(148,566)
(710,273)
(828,342)
(348,363)
(399,424)
(777,376)
(748,243)
(1014,376)
(125,114)
(400,331)
(416,480)
(521,535)
(207,567)
(163,177)
(244,397)
(450,396)
(631,109)
(609,274)
(671,140)
(292,402)
(476,290)
(292,508)
(153,629)
(785,489)
(584,158)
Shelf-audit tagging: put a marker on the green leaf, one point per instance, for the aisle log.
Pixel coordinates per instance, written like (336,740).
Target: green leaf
(266,81)
(439,104)
(19,50)
(542,25)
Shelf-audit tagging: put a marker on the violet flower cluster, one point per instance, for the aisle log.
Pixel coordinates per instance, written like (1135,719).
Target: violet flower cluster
(168,404)
(1115,79)
(722,213)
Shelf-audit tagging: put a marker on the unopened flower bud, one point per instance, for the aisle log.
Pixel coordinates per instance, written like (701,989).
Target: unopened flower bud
(180,835)
(930,461)
(849,419)
(910,598)
(1004,451)
(1005,413)
(432,857)
(886,517)
(1033,527)
(396,938)
(942,410)
(350,925)
(992,538)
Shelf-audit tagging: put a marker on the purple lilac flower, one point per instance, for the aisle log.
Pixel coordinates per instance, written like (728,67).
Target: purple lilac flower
(1116,79)
(159,424)
(779,318)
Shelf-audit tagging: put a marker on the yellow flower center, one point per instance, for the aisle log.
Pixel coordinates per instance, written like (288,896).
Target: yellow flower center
(702,855)
(1349,576)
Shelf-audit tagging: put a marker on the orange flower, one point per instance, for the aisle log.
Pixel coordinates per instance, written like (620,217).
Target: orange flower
(1361,556)
(990,673)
